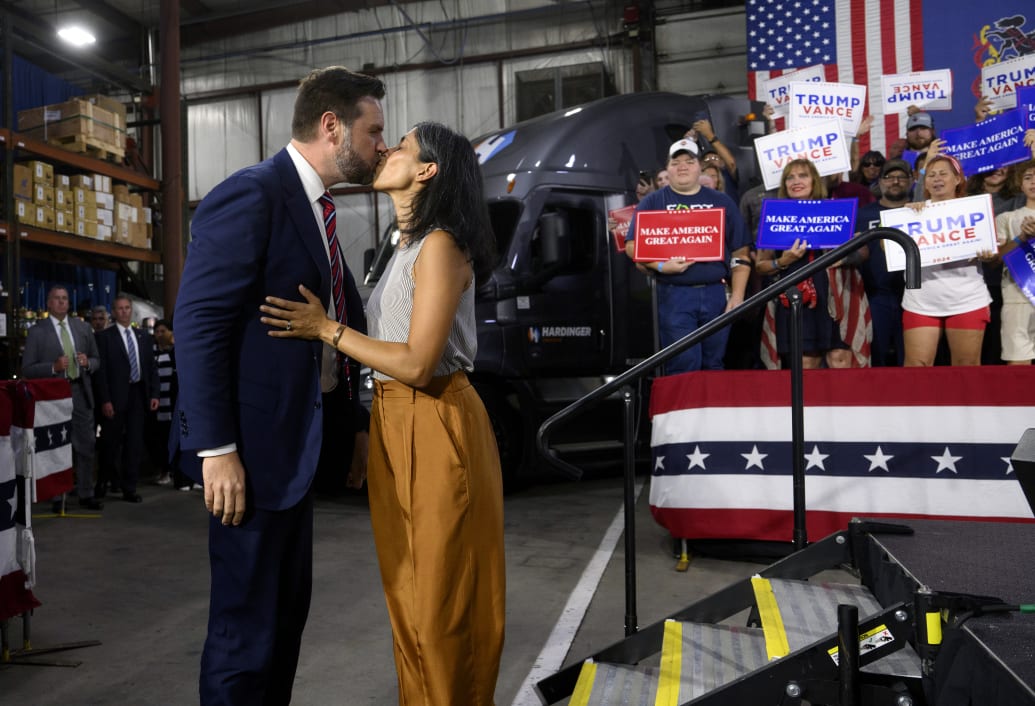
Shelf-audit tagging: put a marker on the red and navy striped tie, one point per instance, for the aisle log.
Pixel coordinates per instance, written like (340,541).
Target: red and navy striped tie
(330,220)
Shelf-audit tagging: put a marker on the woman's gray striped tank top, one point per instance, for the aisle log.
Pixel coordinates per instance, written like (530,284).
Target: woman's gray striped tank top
(391,306)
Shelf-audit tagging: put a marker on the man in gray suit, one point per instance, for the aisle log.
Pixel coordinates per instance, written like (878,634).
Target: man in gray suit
(62,346)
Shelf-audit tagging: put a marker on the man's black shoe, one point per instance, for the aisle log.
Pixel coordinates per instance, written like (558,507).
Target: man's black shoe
(91,503)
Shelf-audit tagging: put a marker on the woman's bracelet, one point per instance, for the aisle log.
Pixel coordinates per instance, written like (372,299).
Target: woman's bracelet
(337,335)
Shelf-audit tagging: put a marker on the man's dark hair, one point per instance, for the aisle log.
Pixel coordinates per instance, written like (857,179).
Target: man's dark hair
(452,199)
(164,322)
(335,89)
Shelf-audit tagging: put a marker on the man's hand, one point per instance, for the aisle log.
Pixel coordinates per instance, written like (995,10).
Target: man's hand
(704,129)
(154,404)
(358,469)
(108,410)
(61,364)
(224,487)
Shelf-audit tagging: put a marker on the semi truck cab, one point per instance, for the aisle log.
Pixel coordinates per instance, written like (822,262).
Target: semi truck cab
(564,308)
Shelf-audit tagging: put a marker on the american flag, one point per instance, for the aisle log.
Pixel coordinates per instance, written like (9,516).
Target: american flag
(856,41)
(15,537)
(879,442)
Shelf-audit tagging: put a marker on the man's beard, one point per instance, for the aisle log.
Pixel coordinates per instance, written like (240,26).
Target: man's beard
(352,167)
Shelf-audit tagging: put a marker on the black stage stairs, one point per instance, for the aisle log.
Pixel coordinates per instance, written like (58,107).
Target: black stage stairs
(900,637)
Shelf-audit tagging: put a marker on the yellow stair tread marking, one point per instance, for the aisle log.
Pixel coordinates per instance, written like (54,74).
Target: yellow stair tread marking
(671,665)
(584,685)
(772,622)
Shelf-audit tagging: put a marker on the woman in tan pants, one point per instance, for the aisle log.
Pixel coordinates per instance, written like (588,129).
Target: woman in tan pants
(436,499)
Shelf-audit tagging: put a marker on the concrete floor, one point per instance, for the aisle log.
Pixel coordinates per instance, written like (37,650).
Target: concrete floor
(136,579)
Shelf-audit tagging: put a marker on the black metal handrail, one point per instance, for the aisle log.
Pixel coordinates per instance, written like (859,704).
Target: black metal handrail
(642,368)
(784,285)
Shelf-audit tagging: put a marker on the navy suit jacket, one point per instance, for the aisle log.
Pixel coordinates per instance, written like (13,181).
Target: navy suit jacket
(253,235)
(113,375)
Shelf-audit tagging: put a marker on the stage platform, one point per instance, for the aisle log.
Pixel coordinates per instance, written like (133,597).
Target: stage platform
(991,659)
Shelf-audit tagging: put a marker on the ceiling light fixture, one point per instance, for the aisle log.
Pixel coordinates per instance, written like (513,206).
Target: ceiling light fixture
(76,36)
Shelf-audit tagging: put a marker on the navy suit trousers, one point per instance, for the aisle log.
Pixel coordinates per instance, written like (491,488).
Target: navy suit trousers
(262,580)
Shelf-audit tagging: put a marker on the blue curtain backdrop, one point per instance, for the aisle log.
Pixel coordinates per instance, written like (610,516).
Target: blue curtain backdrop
(87,286)
(972,35)
(34,87)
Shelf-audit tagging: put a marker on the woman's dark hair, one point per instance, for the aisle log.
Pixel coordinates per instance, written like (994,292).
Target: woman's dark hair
(452,200)
(871,156)
(976,183)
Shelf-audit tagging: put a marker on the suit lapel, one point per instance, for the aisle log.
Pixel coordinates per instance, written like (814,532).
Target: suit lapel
(301,213)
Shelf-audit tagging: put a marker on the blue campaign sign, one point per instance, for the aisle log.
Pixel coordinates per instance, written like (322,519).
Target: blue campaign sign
(823,224)
(990,144)
(1021,263)
(1026,102)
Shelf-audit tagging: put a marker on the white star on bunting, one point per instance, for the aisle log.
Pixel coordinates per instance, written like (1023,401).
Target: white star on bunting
(878,460)
(697,458)
(946,461)
(754,458)
(816,459)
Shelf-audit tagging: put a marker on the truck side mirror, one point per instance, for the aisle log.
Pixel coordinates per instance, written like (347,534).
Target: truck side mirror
(554,240)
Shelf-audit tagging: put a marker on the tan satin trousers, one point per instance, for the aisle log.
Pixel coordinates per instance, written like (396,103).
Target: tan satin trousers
(436,504)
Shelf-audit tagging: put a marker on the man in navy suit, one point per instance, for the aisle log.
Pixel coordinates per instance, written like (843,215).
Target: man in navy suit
(251,407)
(127,386)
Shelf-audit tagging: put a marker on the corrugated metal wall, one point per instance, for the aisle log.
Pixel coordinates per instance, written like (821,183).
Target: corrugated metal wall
(454,62)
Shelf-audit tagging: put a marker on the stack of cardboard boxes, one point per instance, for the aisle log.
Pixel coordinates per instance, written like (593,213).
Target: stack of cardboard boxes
(34,194)
(132,219)
(90,122)
(81,204)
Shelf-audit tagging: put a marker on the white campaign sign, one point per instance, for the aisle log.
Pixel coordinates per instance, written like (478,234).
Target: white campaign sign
(999,82)
(930,90)
(822,143)
(945,231)
(776,91)
(811,102)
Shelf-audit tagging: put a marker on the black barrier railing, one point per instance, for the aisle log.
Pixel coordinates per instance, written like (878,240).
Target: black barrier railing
(785,285)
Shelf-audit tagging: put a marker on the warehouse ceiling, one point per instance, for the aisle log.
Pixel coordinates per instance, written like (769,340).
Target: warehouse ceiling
(121,26)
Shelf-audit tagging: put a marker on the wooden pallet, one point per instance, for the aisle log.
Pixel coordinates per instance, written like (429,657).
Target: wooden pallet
(89,146)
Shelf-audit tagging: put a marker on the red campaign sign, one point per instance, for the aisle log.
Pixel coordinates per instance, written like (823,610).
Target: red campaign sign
(618,222)
(693,234)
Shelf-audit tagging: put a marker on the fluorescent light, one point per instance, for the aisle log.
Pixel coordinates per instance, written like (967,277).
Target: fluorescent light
(76,36)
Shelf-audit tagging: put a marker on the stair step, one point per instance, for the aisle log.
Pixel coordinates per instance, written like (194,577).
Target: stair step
(695,659)
(808,612)
(603,684)
(699,657)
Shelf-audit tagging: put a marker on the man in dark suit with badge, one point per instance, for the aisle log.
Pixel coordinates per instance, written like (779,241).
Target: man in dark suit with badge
(251,408)
(127,388)
(63,346)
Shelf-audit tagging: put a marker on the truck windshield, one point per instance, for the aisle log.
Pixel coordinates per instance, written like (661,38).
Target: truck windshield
(504,216)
